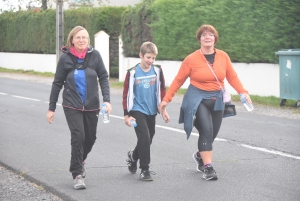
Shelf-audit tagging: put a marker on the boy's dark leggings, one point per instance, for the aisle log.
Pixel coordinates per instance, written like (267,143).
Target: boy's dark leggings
(83,127)
(145,131)
(208,123)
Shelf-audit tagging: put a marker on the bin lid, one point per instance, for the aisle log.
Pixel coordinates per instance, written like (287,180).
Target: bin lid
(288,52)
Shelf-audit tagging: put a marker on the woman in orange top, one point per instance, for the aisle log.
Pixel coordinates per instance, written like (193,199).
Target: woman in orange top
(203,99)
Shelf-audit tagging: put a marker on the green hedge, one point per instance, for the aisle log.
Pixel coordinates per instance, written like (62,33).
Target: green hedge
(28,32)
(34,32)
(250,31)
(135,27)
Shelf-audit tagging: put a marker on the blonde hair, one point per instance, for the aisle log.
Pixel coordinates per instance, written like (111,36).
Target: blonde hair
(72,33)
(207,27)
(148,47)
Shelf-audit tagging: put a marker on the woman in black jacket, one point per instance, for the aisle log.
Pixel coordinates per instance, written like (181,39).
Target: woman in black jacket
(78,70)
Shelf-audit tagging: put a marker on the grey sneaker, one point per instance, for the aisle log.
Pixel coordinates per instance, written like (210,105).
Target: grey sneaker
(132,167)
(209,173)
(79,183)
(146,175)
(83,169)
(199,162)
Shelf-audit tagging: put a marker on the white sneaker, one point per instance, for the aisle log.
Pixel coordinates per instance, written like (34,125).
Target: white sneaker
(79,183)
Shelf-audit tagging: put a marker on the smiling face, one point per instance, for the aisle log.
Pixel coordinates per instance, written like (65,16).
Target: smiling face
(207,39)
(81,40)
(207,36)
(147,60)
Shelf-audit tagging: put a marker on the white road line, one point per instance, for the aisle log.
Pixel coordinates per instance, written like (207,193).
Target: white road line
(196,134)
(117,117)
(57,104)
(224,140)
(25,98)
(182,131)
(270,151)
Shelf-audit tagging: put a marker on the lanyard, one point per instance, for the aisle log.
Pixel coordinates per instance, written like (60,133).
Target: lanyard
(208,64)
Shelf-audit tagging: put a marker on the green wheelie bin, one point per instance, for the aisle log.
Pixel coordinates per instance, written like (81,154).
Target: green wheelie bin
(289,62)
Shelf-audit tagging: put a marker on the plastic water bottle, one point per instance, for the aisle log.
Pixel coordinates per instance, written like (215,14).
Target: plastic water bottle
(104,113)
(247,105)
(133,123)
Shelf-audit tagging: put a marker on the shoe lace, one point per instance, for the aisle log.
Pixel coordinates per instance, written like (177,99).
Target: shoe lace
(210,170)
(150,172)
(130,162)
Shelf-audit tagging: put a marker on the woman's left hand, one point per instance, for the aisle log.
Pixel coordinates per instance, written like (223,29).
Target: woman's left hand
(248,98)
(165,115)
(109,107)
(162,106)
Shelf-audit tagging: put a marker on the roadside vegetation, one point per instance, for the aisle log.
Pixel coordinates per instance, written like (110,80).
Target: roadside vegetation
(114,82)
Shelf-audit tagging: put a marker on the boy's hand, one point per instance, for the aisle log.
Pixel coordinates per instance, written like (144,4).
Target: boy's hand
(128,119)
(165,115)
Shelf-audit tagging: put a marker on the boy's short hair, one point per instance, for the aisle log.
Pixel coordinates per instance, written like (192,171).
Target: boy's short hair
(148,47)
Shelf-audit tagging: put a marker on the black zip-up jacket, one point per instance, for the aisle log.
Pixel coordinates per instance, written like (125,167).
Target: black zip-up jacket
(64,76)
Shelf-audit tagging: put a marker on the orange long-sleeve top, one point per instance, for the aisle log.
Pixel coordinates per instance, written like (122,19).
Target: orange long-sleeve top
(196,67)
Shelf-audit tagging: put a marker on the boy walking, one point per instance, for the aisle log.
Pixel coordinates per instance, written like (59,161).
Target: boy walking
(144,88)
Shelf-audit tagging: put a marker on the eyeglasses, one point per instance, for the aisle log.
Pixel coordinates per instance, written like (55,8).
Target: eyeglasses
(207,35)
(81,38)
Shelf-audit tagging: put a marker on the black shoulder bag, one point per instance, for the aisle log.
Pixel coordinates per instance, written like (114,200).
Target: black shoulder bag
(229,107)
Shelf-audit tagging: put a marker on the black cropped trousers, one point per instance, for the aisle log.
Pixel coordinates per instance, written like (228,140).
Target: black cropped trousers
(208,123)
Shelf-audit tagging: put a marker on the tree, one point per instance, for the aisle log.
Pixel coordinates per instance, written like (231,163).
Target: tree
(44,4)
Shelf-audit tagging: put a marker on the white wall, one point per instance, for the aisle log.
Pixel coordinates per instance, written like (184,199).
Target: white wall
(259,79)
(24,61)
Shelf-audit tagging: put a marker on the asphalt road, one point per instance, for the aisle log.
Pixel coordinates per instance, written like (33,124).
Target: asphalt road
(257,157)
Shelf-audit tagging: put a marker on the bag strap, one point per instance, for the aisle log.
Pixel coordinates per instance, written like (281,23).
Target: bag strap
(212,72)
(85,61)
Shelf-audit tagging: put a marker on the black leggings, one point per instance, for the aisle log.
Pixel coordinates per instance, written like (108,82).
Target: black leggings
(208,123)
(145,131)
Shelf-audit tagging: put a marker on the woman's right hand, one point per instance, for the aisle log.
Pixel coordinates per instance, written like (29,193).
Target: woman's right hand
(163,104)
(50,116)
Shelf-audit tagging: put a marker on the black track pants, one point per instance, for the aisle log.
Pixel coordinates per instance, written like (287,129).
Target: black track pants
(83,127)
(145,131)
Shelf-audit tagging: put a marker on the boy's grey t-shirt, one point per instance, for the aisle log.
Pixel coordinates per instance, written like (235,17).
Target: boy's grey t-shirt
(144,90)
